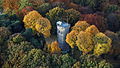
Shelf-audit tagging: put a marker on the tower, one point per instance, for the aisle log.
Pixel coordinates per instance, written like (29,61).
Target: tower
(62,30)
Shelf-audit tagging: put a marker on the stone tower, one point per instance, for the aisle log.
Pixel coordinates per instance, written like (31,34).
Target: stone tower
(62,30)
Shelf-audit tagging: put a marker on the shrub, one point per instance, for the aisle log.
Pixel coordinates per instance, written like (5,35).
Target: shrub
(54,47)
(72,16)
(97,20)
(103,44)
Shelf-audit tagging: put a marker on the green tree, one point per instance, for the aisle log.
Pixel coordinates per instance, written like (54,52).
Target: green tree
(44,8)
(4,34)
(72,16)
(55,15)
(111,8)
(24,3)
(67,61)
(90,61)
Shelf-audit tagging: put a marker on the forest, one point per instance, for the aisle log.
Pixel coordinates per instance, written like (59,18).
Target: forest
(28,27)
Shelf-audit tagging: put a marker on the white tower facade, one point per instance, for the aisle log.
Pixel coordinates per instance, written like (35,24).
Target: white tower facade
(62,30)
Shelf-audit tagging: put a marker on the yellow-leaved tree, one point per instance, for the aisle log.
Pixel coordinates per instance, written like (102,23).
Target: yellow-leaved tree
(71,38)
(30,19)
(88,38)
(35,21)
(85,41)
(103,44)
(43,26)
(92,29)
(80,26)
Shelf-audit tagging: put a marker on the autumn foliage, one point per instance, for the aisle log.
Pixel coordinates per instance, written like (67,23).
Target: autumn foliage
(95,19)
(24,11)
(84,42)
(30,19)
(36,3)
(10,5)
(92,29)
(35,21)
(80,26)
(88,38)
(103,44)
(43,26)
(71,38)
(54,48)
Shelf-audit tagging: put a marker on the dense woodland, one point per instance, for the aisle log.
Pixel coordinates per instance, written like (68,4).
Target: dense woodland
(94,37)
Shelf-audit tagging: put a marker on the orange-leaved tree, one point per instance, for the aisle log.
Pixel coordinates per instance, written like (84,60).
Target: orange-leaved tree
(54,48)
(10,5)
(95,19)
